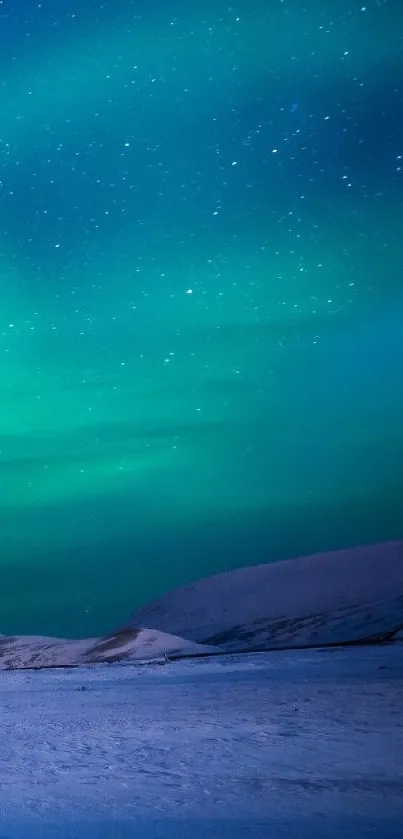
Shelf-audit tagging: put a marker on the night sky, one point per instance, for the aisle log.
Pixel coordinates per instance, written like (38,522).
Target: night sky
(201,294)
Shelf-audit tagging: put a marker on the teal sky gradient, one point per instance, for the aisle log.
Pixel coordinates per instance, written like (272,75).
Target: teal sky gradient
(201,296)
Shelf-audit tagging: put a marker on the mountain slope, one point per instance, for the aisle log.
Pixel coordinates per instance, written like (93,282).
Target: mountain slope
(349,596)
(342,597)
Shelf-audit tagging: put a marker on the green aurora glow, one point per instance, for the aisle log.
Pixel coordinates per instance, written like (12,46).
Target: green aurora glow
(201,298)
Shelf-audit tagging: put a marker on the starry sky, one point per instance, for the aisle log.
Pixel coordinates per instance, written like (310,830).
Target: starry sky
(201,295)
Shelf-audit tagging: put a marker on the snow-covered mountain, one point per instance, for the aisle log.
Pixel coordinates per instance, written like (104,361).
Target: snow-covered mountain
(341,597)
(347,596)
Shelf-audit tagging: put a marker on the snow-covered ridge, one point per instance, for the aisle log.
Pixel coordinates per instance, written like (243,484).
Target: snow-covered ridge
(126,645)
(347,596)
(343,597)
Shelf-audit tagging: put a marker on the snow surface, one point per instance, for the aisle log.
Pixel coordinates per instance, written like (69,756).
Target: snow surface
(337,597)
(301,745)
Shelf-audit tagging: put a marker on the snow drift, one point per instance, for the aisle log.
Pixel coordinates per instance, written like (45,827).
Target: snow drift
(347,596)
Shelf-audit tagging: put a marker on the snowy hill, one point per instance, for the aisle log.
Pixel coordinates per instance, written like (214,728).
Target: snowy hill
(348,596)
(127,645)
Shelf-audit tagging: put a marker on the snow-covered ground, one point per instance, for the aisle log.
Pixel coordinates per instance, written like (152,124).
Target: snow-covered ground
(307,745)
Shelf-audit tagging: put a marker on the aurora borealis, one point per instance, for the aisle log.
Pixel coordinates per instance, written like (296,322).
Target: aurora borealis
(201,296)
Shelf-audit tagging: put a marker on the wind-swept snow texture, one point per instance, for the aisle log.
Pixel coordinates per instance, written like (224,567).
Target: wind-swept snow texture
(347,596)
(286,745)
